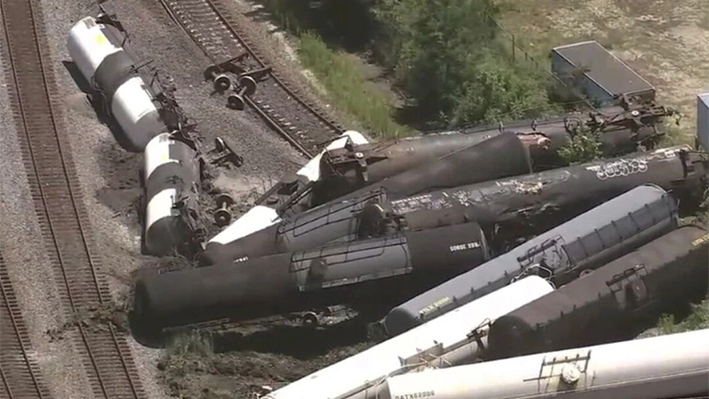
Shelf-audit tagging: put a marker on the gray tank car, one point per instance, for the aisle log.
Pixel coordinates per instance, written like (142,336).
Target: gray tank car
(585,242)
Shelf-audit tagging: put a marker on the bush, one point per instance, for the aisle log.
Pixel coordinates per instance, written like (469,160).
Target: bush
(447,56)
(584,147)
(697,320)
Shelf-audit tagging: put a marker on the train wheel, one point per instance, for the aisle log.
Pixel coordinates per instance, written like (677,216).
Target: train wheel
(310,319)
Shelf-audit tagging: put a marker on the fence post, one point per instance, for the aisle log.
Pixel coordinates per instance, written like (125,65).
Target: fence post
(513,47)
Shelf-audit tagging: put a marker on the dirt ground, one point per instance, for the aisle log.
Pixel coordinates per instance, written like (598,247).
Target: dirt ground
(665,41)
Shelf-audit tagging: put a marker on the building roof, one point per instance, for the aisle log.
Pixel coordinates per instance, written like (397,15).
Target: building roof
(605,69)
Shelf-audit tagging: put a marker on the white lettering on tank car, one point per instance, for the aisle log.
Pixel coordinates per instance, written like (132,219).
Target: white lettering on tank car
(462,247)
(619,168)
(416,395)
(668,153)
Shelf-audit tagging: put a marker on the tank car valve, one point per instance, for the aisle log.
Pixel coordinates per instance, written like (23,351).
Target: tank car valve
(222,216)
(247,88)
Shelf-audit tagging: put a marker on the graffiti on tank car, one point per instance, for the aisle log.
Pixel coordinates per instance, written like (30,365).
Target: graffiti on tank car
(420,202)
(619,168)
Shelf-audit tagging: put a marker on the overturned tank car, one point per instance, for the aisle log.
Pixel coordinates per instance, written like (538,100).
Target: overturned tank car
(392,268)
(531,203)
(612,303)
(561,254)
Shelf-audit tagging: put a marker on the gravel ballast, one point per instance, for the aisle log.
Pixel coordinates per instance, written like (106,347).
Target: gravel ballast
(30,271)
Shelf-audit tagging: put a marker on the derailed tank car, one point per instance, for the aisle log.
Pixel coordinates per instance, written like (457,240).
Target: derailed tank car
(266,209)
(302,281)
(470,164)
(540,200)
(670,366)
(622,128)
(536,202)
(585,242)
(443,342)
(171,179)
(612,303)
(344,170)
(351,168)
(96,47)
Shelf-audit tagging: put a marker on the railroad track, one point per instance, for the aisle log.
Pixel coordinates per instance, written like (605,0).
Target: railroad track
(56,194)
(19,371)
(210,26)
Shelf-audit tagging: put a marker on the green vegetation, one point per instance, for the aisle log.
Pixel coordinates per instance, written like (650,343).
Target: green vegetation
(584,147)
(697,320)
(347,87)
(183,343)
(448,58)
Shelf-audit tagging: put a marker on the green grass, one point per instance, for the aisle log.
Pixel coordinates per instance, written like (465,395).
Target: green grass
(184,343)
(347,87)
(697,320)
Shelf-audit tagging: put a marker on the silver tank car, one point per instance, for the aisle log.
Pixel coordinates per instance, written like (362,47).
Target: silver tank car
(541,200)
(335,274)
(613,303)
(504,155)
(264,213)
(585,242)
(171,178)
(443,342)
(670,366)
(97,50)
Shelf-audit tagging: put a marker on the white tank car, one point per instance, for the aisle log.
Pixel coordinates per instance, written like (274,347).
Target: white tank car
(442,342)
(90,43)
(670,366)
(97,51)
(171,179)
(260,216)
